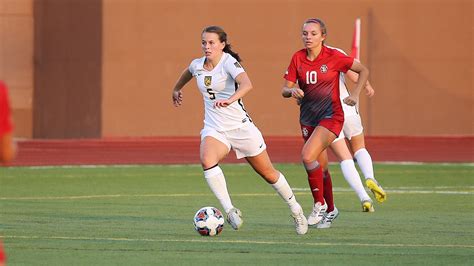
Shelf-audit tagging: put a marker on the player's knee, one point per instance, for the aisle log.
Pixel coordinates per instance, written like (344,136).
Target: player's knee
(207,162)
(308,158)
(270,175)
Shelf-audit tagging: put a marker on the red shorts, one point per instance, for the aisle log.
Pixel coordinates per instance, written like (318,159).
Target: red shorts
(333,125)
(6,125)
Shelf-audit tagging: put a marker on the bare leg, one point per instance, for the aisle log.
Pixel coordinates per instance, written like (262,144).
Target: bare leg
(7,148)
(263,166)
(314,150)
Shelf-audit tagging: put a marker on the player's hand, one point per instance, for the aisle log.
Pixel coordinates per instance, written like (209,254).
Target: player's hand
(297,93)
(177,98)
(351,100)
(369,91)
(222,103)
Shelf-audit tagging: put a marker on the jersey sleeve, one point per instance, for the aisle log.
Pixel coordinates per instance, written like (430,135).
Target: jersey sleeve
(192,67)
(233,67)
(290,73)
(344,62)
(6,125)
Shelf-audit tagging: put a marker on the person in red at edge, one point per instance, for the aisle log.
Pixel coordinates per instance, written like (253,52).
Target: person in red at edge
(3,258)
(7,146)
(316,69)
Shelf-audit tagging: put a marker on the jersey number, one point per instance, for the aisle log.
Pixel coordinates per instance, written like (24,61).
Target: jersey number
(311,77)
(212,95)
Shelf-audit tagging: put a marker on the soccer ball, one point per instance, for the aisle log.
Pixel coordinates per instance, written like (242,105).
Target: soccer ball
(208,221)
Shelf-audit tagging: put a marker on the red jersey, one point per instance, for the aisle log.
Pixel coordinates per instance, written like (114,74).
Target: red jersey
(6,125)
(319,79)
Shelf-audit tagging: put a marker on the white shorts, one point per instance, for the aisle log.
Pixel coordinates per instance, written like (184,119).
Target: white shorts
(246,141)
(352,127)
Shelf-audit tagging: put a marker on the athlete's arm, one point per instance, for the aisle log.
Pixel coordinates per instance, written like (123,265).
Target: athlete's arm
(369,91)
(289,90)
(185,77)
(363,77)
(244,86)
(7,147)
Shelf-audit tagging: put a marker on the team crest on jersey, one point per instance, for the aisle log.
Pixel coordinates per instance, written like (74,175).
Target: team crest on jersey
(305,132)
(324,69)
(207,80)
(237,64)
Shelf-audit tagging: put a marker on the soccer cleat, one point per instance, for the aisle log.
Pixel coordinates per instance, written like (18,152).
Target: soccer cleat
(367,206)
(328,219)
(300,222)
(317,214)
(234,218)
(378,191)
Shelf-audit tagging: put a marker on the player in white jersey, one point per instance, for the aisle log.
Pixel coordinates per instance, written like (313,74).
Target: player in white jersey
(223,82)
(353,131)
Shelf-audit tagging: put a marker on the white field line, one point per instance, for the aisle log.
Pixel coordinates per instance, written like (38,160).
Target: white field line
(194,164)
(298,191)
(216,240)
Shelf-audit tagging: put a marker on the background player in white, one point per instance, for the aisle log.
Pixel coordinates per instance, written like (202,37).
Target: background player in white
(353,131)
(223,82)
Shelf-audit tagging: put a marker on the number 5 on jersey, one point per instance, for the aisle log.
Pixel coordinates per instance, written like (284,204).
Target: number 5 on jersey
(212,95)
(311,77)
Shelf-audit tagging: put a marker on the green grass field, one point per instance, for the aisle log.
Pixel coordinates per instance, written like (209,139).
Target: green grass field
(142,215)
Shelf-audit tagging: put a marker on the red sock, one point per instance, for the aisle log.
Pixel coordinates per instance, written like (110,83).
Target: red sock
(315,179)
(328,191)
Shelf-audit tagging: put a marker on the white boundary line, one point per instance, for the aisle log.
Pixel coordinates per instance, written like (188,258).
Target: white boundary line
(216,240)
(298,191)
(196,164)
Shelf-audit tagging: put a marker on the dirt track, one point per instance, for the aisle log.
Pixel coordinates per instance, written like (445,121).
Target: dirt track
(185,150)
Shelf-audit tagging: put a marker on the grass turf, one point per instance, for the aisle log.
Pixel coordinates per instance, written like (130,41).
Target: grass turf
(142,215)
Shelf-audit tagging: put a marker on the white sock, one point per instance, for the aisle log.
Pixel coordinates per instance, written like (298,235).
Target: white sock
(216,181)
(352,177)
(365,162)
(284,190)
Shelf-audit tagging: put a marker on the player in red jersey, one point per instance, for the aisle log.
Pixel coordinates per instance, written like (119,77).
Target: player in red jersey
(7,146)
(316,70)
(3,258)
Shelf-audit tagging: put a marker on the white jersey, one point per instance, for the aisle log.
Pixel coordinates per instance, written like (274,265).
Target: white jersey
(344,93)
(219,83)
(352,121)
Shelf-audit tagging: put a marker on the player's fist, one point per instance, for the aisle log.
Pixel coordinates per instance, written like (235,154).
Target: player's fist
(177,98)
(351,100)
(297,93)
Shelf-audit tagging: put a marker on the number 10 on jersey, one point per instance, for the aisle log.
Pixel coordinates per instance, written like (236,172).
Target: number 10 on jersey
(311,77)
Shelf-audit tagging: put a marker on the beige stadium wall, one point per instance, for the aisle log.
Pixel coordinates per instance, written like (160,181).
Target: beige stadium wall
(105,68)
(16,60)
(420,54)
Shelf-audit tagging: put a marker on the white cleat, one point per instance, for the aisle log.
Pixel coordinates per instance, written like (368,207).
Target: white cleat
(317,214)
(300,222)
(234,218)
(328,219)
